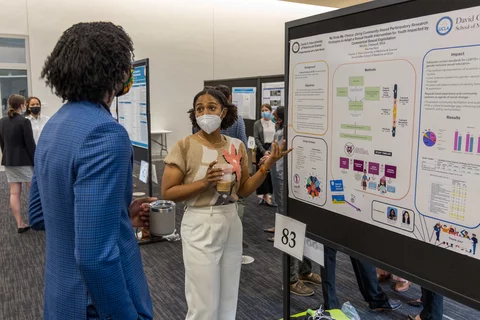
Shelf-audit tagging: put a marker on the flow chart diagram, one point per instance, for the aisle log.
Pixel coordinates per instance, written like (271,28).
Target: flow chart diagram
(373,110)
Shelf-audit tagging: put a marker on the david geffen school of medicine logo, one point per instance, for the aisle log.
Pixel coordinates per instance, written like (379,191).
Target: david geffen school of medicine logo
(444,26)
(295,47)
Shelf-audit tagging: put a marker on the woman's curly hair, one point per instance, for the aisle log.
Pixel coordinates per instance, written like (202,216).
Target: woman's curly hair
(231,116)
(89,61)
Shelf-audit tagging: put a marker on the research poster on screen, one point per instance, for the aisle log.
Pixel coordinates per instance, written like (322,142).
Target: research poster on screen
(384,122)
(132,109)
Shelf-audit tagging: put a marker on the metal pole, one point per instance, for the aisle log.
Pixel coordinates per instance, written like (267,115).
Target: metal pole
(286,286)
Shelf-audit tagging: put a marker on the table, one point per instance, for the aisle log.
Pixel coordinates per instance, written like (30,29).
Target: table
(163,140)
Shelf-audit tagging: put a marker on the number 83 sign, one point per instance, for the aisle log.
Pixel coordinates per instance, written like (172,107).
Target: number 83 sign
(289,236)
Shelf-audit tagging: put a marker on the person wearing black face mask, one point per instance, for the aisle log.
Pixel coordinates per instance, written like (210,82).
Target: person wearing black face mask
(38,120)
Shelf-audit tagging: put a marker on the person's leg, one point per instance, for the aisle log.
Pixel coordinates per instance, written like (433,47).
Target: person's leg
(383,275)
(305,273)
(230,265)
(432,305)
(259,192)
(279,193)
(277,183)
(241,208)
(401,285)
(15,193)
(267,183)
(371,291)
(297,286)
(273,182)
(305,268)
(203,240)
(330,300)
(293,270)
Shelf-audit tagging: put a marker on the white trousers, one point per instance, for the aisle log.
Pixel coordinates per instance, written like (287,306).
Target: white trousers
(212,254)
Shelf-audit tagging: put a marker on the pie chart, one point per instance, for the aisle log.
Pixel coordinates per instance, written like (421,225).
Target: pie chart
(429,138)
(313,187)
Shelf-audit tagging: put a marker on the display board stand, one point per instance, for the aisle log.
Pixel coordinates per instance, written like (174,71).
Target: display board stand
(380,56)
(133,112)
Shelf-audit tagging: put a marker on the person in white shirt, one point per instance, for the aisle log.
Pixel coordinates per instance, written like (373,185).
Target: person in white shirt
(33,113)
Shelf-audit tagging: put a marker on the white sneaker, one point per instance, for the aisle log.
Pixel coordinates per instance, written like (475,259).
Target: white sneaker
(247,259)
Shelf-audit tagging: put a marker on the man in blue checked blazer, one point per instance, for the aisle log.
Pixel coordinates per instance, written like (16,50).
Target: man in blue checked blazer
(81,191)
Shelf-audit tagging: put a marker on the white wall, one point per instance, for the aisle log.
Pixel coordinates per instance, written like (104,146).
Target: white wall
(13,17)
(187,41)
(250,35)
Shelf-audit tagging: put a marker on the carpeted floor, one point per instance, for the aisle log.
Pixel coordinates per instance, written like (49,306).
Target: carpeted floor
(22,261)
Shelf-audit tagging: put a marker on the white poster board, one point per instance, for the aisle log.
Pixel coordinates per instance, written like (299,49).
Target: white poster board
(273,93)
(245,98)
(132,109)
(113,109)
(384,125)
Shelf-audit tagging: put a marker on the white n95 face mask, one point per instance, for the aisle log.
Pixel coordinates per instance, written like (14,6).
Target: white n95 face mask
(209,122)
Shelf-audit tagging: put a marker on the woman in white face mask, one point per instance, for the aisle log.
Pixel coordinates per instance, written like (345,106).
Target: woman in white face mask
(208,171)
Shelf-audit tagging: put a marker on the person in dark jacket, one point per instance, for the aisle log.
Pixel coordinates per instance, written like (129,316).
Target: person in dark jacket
(18,149)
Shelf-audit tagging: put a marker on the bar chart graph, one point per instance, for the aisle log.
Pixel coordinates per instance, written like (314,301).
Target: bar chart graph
(466,142)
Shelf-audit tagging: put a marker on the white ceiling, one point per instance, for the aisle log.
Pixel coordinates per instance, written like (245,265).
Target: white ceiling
(331,3)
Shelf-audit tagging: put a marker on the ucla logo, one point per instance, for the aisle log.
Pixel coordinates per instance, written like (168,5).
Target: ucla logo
(444,26)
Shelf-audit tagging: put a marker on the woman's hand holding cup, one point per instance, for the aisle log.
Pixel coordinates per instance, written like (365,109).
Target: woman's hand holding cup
(213,174)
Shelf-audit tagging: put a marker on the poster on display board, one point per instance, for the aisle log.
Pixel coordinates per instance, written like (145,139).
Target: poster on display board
(273,93)
(245,98)
(384,124)
(113,109)
(132,109)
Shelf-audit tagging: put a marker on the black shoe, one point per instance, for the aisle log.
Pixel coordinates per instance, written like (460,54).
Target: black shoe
(24,229)
(272,239)
(389,305)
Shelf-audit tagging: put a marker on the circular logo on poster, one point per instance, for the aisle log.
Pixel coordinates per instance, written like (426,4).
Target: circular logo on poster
(444,26)
(296,47)
(296,179)
(349,149)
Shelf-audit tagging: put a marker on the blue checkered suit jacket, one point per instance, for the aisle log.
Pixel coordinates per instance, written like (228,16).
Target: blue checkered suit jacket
(81,192)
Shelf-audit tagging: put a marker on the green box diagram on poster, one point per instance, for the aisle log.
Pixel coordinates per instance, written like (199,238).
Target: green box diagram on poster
(342,92)
(372,93)
(356,82)
(355,127)
(355,137)
(355,106)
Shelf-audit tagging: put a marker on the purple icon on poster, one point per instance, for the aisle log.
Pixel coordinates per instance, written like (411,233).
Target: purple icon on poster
(390,171)
(344,163)
(358,165)
(373,168)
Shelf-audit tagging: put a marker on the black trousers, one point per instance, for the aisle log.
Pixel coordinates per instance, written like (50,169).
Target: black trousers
(432,305)
(266,187)
(297,267)
(366,275)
